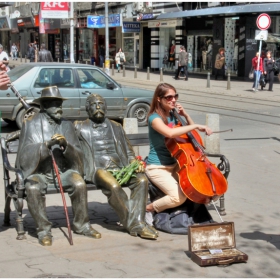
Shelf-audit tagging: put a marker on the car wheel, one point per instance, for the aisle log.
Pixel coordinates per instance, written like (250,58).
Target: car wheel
(140,112)
(21,116)
(10,122)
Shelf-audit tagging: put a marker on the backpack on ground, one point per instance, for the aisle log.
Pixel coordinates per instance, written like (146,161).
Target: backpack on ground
(177,220)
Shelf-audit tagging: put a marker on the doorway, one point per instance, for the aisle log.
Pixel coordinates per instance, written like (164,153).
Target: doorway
(146,47)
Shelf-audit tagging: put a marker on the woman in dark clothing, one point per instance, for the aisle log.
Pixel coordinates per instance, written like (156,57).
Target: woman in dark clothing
(268,69)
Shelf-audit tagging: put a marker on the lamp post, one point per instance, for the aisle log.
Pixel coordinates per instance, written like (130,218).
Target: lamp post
(107,60)
(72,60)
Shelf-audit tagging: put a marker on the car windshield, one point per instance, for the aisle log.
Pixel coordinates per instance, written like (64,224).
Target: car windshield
(18,71)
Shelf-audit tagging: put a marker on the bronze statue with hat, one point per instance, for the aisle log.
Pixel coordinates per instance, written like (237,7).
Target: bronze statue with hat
(41,132)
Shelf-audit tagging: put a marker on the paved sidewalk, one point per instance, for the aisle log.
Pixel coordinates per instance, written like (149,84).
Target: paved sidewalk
(252,203)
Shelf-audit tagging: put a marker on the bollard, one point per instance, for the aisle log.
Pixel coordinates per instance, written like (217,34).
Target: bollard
(86,62)
(228,81)
(208,80)
(113,69)
(161,75)
(78,61)
(20,57)
(135,72)
(123,71)
(64,60)
(94,63)
(103,67)
(58,59)
(25,59)
(148,73)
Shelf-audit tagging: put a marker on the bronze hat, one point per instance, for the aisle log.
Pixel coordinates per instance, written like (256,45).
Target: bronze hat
(50,93)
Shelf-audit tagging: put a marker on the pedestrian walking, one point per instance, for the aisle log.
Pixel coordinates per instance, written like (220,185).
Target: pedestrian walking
(257,71)
(31,53)
(14,51)
(268,64)
(182,63)
(220,64)
(120,59)
(101,55)
(35,46)
(44,55)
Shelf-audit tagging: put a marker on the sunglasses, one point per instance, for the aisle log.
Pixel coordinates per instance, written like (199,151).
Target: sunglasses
(170,97)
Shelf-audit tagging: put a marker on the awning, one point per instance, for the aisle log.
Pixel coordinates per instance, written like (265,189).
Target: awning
(269,8)
(273,38)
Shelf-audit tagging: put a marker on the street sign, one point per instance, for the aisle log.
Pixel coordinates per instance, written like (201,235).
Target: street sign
(263,21)
(261,34)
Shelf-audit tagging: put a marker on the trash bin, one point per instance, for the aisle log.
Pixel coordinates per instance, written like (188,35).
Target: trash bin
(92,60)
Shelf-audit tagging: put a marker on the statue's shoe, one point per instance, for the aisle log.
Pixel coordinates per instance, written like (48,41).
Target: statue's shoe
(45,240)
(153,229)
(144,231)
(89,231)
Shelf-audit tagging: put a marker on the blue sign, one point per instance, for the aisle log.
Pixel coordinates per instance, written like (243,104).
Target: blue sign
(99,21)
(131,26)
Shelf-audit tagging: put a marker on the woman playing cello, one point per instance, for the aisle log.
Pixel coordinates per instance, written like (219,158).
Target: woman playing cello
(161,166)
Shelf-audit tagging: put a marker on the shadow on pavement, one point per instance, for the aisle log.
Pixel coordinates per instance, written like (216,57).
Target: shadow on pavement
(273,239)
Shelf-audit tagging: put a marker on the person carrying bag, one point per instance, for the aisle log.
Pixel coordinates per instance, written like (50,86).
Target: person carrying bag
(120,59)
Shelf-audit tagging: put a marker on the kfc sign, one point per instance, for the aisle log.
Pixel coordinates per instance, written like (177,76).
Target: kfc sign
(54,9)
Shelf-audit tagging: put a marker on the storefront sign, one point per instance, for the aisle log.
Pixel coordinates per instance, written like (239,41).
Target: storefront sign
(5,23)
(26,22)
(165,23)
(99,21)
(54,9)
(131,27)
(144,16)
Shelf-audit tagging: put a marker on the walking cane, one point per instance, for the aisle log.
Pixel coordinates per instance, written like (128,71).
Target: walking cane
(63,197)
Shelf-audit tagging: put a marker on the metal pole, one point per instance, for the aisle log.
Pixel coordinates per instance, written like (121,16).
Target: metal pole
(107,60)
(135,72)
(103,67)
(228,81)
(58,59)
(123,70)
(20,57)
(148,73)
(258,66)
(161,75)
(72,60)
(208,80)
(113,69)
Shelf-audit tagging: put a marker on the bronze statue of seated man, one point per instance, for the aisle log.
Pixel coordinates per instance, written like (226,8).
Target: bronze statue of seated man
(106,147)
(41,132)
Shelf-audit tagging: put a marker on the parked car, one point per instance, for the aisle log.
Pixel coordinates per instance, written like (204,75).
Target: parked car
(75,82)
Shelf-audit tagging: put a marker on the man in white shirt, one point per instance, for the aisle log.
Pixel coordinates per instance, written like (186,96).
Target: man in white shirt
(4,57)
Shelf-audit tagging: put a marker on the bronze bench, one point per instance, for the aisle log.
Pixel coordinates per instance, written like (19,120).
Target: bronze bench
(15,190)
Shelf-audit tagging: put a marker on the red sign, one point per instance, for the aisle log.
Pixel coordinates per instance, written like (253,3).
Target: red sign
(263,21)
(54,9)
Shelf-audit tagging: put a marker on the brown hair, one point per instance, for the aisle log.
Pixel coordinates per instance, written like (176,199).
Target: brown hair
(156,106)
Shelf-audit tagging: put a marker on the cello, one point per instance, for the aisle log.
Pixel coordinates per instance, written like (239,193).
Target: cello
(200,180)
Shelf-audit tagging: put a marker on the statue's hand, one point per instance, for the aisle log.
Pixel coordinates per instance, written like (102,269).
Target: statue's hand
(59,140)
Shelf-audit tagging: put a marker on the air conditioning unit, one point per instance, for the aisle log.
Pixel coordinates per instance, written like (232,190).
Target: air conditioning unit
(138,5)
